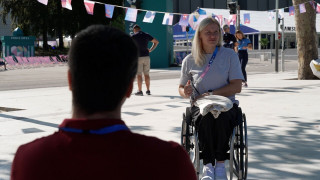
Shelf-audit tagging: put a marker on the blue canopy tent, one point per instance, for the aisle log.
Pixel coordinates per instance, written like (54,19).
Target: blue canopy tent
(180,34)
(244,29)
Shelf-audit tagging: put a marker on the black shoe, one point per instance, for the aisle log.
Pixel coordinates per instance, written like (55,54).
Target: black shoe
(139,93)
(148,92)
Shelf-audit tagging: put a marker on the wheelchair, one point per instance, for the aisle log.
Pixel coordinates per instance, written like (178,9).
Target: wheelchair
(238,159)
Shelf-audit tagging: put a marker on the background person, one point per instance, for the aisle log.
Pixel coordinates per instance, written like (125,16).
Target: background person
(95,143)
(229,40)
(224,78)
(243,45)
(3,63)
(142,40)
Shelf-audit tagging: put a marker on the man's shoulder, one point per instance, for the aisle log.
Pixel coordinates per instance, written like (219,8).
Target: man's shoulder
(38,148)
(153,142)
(43,141)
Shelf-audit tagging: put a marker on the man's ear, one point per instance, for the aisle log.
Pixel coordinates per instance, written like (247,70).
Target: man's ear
(130,89)
(70,80)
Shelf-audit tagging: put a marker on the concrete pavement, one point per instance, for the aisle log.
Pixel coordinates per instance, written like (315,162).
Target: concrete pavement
(283,120)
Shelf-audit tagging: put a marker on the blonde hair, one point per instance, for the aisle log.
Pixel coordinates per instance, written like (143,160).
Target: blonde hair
(197,49)
(239,32)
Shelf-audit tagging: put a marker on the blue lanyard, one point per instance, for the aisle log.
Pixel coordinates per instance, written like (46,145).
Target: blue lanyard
(105,130)
(210,62)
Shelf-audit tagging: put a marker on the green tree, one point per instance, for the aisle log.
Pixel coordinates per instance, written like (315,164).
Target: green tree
(37,19)
(30,16)
(306,38)
(264,42)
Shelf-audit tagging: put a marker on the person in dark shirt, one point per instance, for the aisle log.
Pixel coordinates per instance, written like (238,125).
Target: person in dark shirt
(229,40)
(142,39)
(95,143)
(3,63)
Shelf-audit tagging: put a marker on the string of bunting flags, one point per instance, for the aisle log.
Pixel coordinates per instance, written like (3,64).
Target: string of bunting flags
(192,19)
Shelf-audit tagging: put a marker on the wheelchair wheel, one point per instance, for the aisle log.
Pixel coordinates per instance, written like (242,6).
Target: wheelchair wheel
(238,163)
(185,142)
(190,142)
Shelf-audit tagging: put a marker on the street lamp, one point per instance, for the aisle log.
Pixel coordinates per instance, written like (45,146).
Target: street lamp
(232,7)
(235,9)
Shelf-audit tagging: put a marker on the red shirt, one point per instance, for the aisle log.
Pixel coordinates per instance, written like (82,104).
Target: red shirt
(117,155)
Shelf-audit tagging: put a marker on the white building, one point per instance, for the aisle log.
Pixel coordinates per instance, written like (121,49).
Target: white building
(260,21)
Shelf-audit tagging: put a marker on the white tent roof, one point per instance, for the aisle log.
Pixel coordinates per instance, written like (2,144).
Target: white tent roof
(259,20)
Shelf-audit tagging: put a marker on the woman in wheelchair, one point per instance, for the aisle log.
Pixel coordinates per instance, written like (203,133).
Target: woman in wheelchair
(212,69)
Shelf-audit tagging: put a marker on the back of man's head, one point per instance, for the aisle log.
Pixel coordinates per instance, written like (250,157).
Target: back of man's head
(103,63)
(136,27)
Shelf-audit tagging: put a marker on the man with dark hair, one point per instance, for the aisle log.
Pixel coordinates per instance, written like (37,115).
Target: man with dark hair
(229,40)
(142,39)
(95,143)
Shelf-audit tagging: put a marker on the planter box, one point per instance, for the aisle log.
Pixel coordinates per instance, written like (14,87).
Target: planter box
(263,57)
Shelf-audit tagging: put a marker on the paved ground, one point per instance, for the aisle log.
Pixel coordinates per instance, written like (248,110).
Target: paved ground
(56,76)
(283,117)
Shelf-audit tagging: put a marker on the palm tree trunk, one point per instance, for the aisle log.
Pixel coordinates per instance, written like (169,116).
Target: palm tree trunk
(306,38)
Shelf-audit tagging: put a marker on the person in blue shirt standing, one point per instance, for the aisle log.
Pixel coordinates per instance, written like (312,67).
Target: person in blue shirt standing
(242,46)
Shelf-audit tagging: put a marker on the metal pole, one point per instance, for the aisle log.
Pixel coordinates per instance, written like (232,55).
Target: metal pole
(277,38)
(187,42)
(282,44)
(238,16)
(271,44)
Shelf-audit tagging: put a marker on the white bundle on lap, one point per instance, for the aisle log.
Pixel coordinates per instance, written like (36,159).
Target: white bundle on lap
(214,104)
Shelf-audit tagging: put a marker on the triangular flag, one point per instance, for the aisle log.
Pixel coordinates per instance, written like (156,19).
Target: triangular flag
(271,15)
(184,20)
(246,18)
(45,2)
(148,18)
(192,20)
(196,24)
(131,15)
(291,11)
(312,3)
(109,10)
(167,19)
(318,8)
(89,5)
(232,19)
(202,12)
(281,13)
(219,18)
(66,4)
(225,21)
(302,8)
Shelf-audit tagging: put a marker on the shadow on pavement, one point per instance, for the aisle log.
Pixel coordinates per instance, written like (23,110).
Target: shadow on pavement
(139,128)
(292,154)
(29,120)
(5,167)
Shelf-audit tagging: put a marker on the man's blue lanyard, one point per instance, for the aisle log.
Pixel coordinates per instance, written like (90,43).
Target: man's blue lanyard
(105,130)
